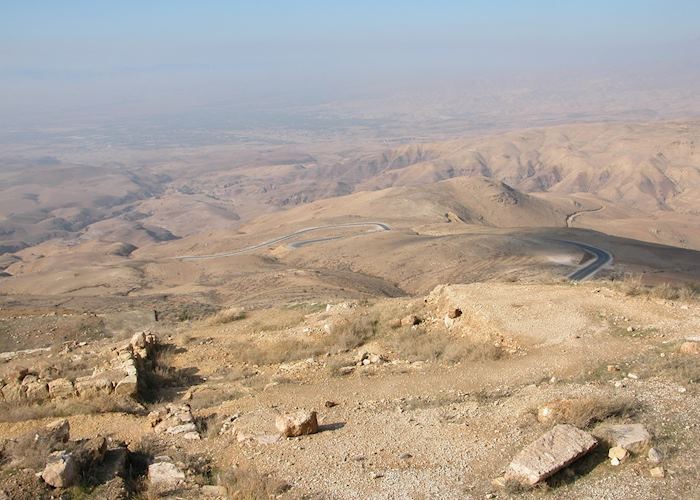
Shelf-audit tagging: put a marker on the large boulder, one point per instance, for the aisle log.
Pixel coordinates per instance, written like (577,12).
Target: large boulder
(61,470)
(551,452)
(297,424)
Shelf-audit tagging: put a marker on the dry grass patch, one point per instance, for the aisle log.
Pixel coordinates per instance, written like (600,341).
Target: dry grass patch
(247,484)
(349,334)
(19,412)
(633,285)
(417,345)
(586,411)
(226,316)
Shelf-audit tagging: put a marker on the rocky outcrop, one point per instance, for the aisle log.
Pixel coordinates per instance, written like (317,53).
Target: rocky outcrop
(120,377)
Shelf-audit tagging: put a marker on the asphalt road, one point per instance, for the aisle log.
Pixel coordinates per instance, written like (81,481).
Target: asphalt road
(589,269)
(380,226)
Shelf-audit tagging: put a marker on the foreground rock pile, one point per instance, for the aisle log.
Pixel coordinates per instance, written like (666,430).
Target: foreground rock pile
(119,377)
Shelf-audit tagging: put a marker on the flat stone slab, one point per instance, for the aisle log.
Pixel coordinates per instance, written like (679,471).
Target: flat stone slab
(554,450)
(632,437)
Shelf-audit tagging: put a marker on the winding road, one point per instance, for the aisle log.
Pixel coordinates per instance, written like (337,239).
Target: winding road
(379,226)
(590,268)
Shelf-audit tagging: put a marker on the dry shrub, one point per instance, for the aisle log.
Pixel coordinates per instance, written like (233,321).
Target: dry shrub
(584,412)
(684,369)
(352,333)
(32,449)
(633,285)
(417,345)
(247,484)
(226,316)
(157,372)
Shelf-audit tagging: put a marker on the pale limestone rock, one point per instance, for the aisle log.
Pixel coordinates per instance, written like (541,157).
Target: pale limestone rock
(632,437)
(297,424)
(553,451)
(657,472)
(165,475)
(61,470)
(61,388)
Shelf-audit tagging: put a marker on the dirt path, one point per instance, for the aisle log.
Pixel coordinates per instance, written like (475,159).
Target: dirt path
(571,217)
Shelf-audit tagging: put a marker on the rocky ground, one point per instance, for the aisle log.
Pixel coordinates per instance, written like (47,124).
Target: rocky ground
(498,390)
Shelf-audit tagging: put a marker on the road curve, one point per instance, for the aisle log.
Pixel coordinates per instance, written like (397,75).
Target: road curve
(590,268)
(379,226)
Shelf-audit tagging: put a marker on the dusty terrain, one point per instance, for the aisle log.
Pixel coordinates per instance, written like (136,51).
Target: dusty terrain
(177,300)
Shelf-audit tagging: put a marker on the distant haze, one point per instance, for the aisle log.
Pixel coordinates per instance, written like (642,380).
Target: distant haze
(80,62)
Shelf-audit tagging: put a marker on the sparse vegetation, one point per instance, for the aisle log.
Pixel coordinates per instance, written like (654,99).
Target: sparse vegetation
(633,285)
(158,373)
(418,345)
(226,316)
(586,411)
(247,484)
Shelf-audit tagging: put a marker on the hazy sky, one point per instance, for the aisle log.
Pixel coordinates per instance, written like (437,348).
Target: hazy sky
(62,56)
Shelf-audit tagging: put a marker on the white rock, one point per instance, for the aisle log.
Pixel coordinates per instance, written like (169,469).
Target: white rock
(163,475)
(61,470)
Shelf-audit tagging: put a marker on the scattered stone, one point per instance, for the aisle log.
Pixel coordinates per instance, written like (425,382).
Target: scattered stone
(297,424)
(632,437)
(405,456)
(330,404)
(657,472)
(655,456)
(618,453)
(346,370)
(210,490)
(613,368)
(61,470)
(690,348)
(175,420)
(633,376)
(615,461)
(553,451)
